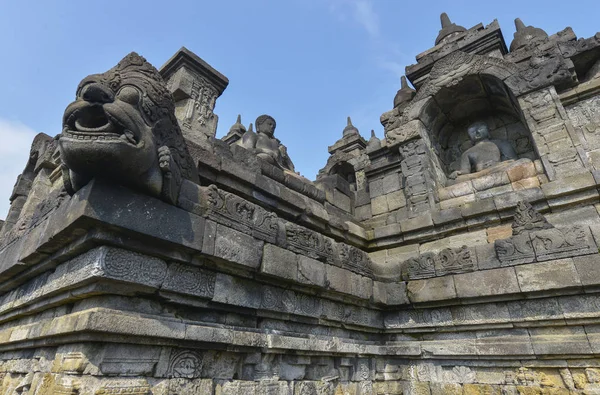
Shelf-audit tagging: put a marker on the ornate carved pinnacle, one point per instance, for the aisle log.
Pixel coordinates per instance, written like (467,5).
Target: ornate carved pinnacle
(350,129)
(445,19)
(448,30)
(251,127)
(404,94)
(237,127)
(374,142)
(403,82)
(526,35)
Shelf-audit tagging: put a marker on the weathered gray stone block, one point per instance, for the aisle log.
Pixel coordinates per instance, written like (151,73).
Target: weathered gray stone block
(235,291)
(593,335)
(478,207)
(504,342)
(396,200)
(480,314)
(342,201)
(237,247)
(394,293)
(379,205)
(486,257)
(431,289)
(391,183)
(338,279)
(534,310)
(548,276)
(446,216)
(190,280)
(568,185)
(279,262)
(587,267)
(495,282)
(311,271)
(376,188)
(363,213)
(421,222)
(560,340)
(347,282)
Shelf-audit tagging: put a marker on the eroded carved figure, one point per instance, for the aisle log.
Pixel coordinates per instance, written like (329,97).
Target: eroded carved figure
(122,127)
(484,153)
(265,145)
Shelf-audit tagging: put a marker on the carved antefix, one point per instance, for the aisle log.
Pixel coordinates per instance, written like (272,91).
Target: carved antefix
(534,239)
(527,219)
(453,261)
(230,210)
(122,128)
(305,241)
(354,259)
(122,387)
(555,244)
(447,261)
(515,250)
(421,267)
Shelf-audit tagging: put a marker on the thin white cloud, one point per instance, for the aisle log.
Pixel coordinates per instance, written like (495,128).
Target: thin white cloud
(366,16)
(361,11)
(14,152)
(390,65)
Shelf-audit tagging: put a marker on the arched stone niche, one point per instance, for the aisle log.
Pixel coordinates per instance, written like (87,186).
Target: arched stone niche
(464,88)
(478,97)
(346,171)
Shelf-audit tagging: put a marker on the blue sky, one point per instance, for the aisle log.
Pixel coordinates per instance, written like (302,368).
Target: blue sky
(308,63)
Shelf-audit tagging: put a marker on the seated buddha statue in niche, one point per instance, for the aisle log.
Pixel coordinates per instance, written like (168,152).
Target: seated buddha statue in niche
(485,154)
(265,145)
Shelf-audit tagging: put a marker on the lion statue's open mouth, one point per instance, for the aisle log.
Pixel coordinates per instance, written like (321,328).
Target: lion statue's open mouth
(94,122)
(122,128)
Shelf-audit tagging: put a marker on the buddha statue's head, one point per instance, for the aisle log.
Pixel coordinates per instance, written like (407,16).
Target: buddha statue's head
(478,131)
(266,124)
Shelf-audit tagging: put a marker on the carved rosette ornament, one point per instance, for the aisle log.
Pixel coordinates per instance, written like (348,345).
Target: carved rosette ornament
(122,128)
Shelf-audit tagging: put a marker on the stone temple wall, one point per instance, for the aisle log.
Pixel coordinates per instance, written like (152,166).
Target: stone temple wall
(204,267)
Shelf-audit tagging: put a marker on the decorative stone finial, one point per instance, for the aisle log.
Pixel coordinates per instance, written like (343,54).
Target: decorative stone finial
(236,131)
(251,127)
(374,142)
(350,129)
(527,219)
(405,94)
(237,127)
(526,35)
(448,30)
(445,19)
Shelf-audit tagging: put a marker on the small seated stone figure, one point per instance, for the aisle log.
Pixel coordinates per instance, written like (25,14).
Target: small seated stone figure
(265,145)
(485,153)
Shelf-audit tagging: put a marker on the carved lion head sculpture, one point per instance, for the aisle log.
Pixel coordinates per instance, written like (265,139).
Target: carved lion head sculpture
(122,128)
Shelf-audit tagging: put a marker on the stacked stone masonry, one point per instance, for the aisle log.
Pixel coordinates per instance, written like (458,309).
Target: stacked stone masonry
(456,255)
